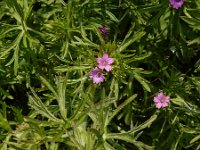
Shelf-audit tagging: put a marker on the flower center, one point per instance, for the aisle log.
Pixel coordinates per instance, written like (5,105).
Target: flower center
(162,100)
(98,74)
(104,63)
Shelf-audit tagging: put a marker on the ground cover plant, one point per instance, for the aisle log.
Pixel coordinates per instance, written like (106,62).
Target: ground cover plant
(97,74)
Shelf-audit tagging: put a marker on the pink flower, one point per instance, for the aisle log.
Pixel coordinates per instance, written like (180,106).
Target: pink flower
(96,75)
(105,62)
(103,31)
(176,3)
(161,100)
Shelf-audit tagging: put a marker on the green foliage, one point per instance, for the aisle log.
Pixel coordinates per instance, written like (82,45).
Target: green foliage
(48,49)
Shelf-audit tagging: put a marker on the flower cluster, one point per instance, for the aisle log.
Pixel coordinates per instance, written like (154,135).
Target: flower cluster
(161,100)
(176,3)
(97,72)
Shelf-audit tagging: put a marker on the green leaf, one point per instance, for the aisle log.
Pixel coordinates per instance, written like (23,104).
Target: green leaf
(145,124)
(142,81)
(196,138)
(13,45)
(18,14)
(16,60)
(194,23)
(128,138)
(112,16)
(107,146)
(49,86)
(61,89)
(192,13)
(4,123)
(6,94)
(141,57)
(128,42)
(36,103)
(120,107)
(71,68)
(194,41)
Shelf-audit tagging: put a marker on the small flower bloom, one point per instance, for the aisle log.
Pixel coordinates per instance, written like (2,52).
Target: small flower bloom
(105,62)
(103,31)
(176,3)
(161,100)
(96,75)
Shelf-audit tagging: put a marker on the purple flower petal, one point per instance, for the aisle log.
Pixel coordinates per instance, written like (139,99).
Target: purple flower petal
(108,68)
(176,3)
(99,60)
(164,104)
(156,99)
(110,60)
(158,105)
(105,56)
